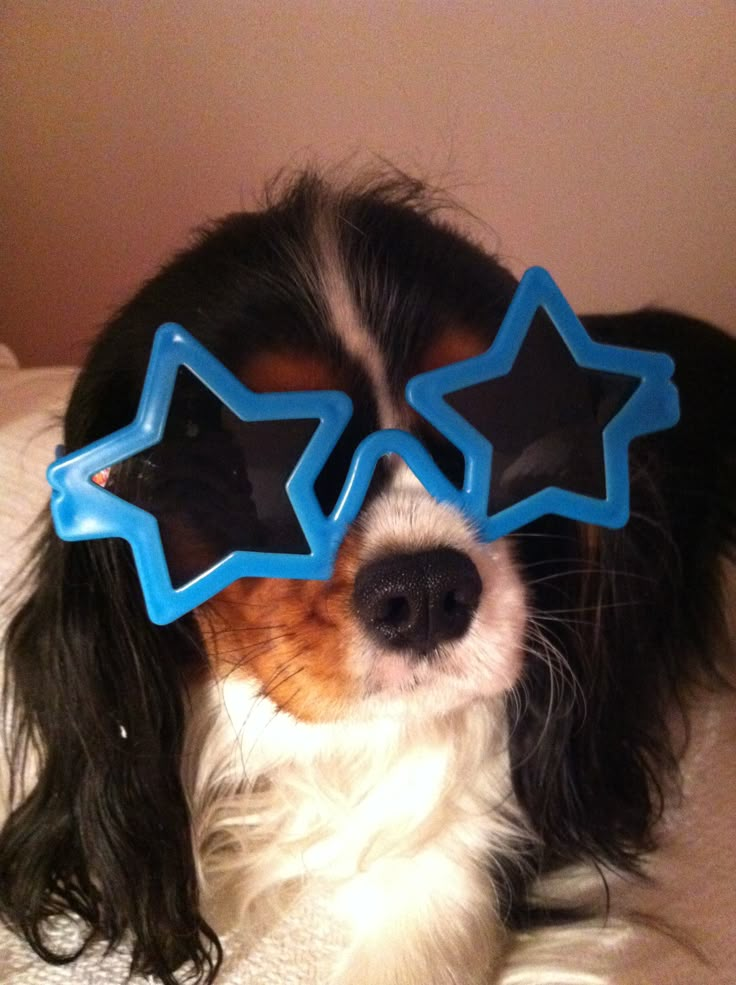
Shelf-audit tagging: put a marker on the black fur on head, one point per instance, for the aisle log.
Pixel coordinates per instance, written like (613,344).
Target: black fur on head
(98,694)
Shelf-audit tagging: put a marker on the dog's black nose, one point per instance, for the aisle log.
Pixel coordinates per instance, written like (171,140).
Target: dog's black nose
(417,601)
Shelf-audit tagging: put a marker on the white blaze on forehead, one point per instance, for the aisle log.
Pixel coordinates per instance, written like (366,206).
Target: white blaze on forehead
(405,517)
(346,320)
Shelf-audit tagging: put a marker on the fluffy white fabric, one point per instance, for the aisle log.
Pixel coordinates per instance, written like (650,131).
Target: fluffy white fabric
(31,402)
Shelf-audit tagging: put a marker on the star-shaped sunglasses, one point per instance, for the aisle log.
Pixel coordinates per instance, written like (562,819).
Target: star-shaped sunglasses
(213,482)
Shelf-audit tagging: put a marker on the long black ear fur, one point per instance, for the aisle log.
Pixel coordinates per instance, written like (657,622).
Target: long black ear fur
(635,616)
(97,692)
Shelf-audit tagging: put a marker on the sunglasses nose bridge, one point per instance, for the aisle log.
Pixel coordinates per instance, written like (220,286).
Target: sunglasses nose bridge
(412,468)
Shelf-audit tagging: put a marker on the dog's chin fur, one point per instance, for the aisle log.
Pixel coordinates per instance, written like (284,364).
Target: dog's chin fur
(266,753)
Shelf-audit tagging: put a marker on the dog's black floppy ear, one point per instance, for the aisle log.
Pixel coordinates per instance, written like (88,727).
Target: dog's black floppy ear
(627,620)
(95,691)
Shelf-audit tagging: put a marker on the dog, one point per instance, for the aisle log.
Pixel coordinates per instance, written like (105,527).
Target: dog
(411,768)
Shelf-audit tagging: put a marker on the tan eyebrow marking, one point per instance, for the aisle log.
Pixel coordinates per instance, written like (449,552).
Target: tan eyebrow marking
(450,346)
(277,372)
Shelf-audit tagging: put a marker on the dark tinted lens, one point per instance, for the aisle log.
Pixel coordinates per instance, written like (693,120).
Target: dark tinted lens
(216,484)
(544,419)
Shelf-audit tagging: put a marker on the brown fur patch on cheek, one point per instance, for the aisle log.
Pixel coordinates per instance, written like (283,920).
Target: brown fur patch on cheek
(289,636)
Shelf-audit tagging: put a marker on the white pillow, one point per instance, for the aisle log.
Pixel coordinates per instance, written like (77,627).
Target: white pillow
(31,404)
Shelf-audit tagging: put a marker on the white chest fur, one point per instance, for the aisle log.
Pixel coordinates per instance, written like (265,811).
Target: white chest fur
(393,823)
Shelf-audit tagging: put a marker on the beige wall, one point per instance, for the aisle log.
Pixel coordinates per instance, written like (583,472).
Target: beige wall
(595,138)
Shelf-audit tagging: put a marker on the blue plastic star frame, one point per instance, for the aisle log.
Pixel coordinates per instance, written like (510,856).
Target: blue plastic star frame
(83,510)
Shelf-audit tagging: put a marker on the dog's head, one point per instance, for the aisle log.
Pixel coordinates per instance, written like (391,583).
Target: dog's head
(355,290)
